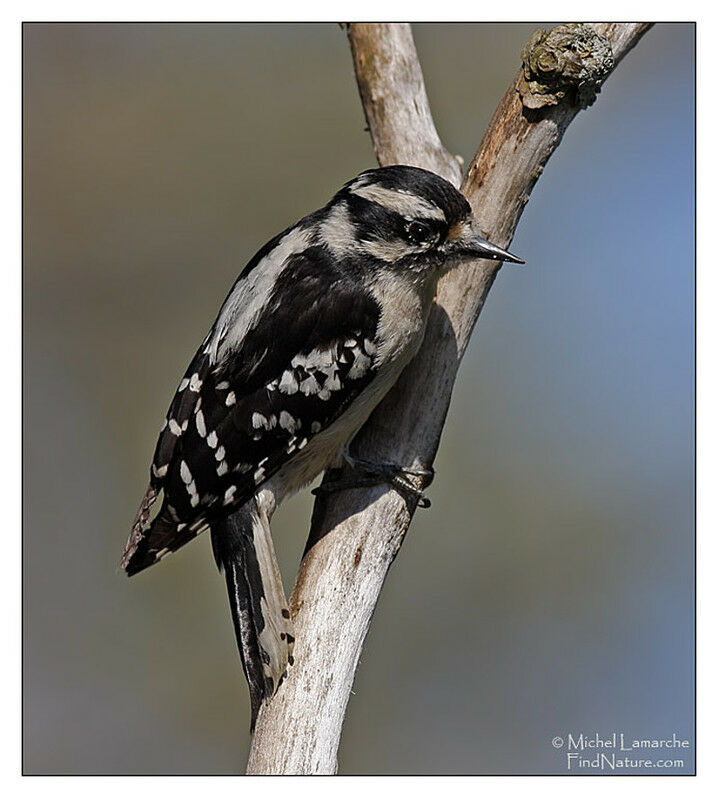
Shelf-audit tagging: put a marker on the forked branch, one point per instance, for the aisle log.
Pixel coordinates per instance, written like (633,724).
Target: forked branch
(356,534)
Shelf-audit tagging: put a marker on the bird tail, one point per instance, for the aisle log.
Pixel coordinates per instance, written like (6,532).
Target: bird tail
(243,549)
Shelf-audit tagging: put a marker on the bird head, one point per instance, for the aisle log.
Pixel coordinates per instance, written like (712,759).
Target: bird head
(406,218)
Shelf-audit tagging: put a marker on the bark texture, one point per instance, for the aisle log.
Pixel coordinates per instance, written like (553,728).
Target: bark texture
(356,534)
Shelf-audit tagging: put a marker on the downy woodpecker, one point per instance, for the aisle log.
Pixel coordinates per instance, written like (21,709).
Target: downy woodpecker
(315,331)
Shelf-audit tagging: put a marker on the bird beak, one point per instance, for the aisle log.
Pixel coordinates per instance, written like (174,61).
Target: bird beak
(485,249)
(469,242)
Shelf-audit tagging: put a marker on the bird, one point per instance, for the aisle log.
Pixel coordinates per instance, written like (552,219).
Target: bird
(314,332)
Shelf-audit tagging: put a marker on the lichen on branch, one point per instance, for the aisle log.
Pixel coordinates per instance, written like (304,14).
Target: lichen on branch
(568,62)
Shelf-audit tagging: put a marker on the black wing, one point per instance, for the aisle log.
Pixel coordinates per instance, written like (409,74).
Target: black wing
(236,422)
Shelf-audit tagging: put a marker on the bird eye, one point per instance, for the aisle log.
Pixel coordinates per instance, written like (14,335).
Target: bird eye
(418,232)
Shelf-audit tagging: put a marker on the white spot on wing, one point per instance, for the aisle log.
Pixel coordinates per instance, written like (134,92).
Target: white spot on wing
(186,476)
(333,382)
(185,473)
(309,386)
(195,383)
(230,399)
(360,366)
(288,383)
(287,422)
(322,359)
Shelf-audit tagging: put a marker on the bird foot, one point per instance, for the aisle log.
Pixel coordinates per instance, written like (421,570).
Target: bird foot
(368,473)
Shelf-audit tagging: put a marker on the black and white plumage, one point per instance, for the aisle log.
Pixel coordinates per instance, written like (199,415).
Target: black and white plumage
(315,331)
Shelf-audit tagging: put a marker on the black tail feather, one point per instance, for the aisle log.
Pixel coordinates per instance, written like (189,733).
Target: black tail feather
(245,632)
(234,547)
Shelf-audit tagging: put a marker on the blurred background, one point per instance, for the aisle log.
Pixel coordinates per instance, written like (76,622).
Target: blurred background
(548,591)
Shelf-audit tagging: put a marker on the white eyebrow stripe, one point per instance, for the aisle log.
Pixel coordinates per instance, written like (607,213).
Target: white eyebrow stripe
(401,202)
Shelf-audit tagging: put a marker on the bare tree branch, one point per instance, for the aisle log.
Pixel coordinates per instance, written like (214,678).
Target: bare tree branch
(394,99)
(355,535)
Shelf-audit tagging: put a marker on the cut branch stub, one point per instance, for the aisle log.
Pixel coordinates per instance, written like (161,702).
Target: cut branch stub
(570,61)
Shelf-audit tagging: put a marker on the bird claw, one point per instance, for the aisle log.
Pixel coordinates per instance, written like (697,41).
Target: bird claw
(371,474)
